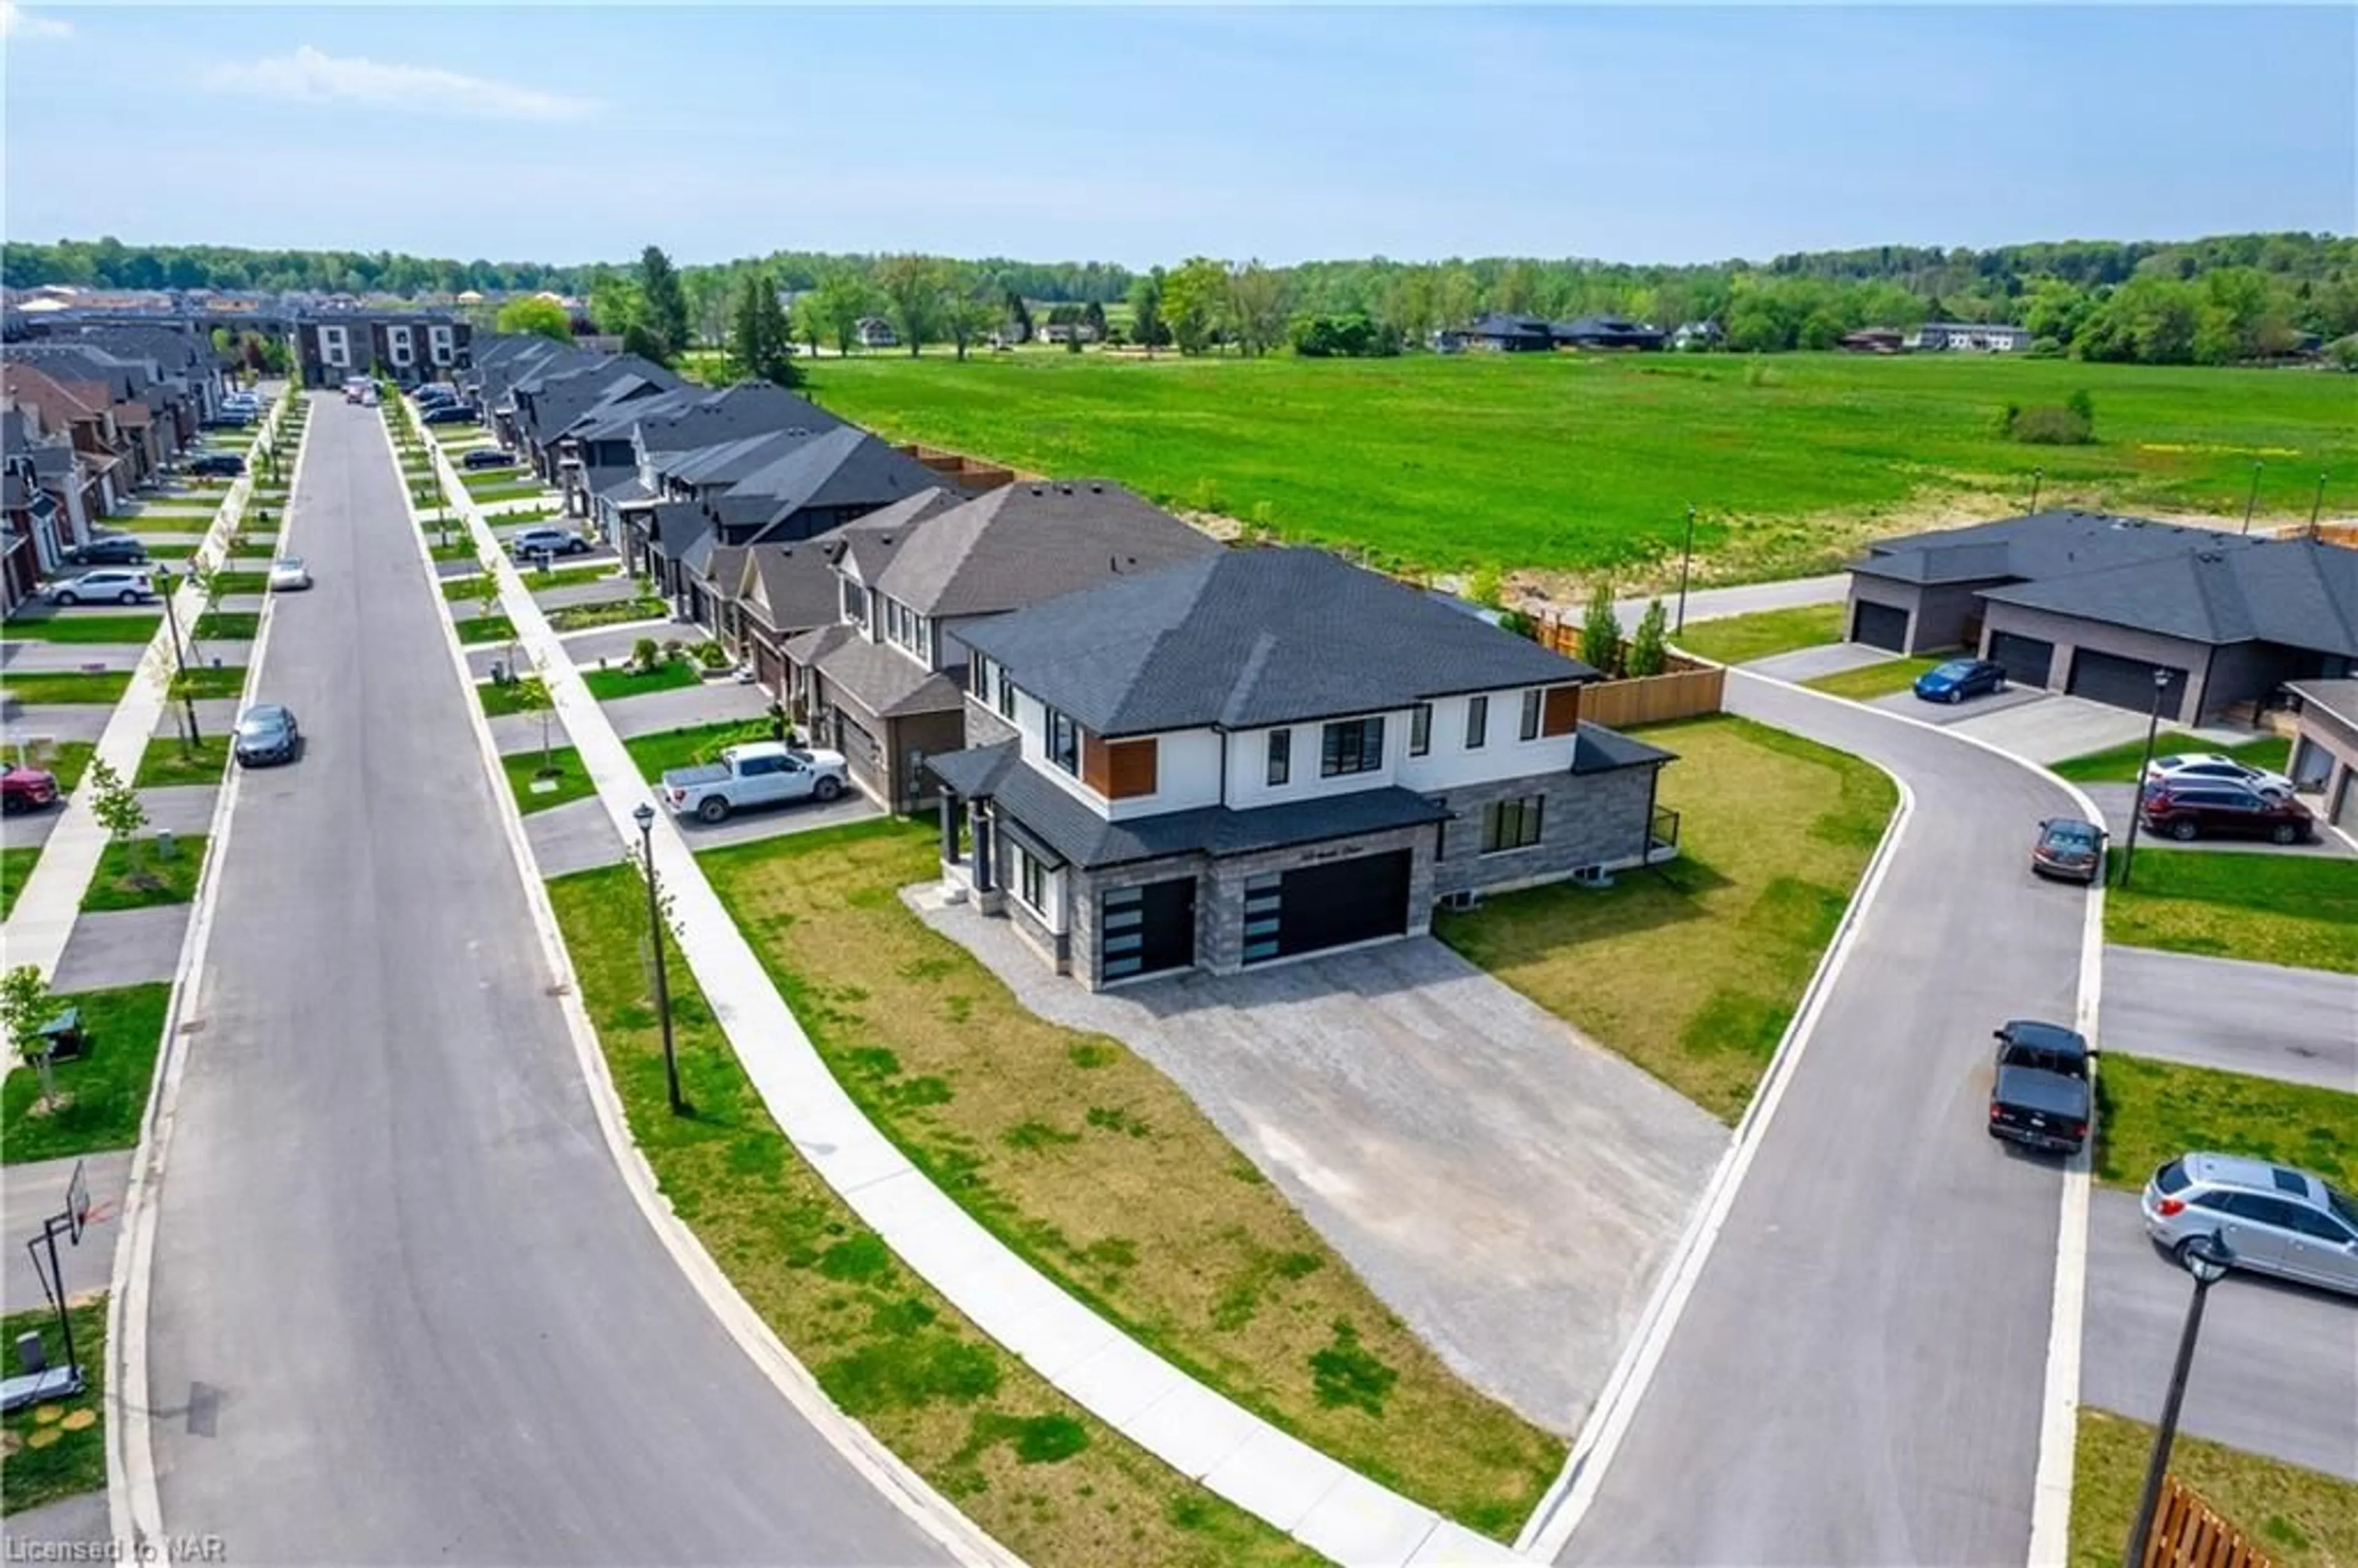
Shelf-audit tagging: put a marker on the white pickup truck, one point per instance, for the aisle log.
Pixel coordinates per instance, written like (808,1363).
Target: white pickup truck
(765,773)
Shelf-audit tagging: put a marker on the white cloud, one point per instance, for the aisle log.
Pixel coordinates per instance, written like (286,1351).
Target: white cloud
(314,76)
(16,22)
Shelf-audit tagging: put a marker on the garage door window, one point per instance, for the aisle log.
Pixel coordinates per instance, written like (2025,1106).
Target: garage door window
(1512,823)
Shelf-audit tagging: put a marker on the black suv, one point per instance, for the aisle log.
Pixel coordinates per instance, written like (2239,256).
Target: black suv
(110,550)
(2213,810)
(228,465)
(488,458)
(448,414)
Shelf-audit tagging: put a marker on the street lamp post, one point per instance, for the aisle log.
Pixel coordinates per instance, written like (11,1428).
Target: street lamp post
(1686,555)
(2252,500)
(2136,802)
(645,817)
(179,659)
(2317,502)
(2038,481)
(2206,1259)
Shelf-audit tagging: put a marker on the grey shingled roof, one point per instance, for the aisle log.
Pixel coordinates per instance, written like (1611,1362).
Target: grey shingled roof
(1597,750)
(2041,545)
(2299,593)
(887,682)
(1024,542)
(798,587)
(2339,697)
(842,467)
(1247,638)
(867,545)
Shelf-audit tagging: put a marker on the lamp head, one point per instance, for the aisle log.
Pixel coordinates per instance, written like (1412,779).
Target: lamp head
(644,816)
(2207,1259)
(2160,678)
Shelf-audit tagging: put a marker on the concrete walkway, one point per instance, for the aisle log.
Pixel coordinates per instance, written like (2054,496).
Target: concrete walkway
(709,702)
(1808,663)
(2300,1025)
(1327,1506)
(122,947)
(30,1194)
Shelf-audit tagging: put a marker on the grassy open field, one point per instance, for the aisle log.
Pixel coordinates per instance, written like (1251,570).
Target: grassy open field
(2301,909)
(2300,1518)
(2151,1111)
(1580,464)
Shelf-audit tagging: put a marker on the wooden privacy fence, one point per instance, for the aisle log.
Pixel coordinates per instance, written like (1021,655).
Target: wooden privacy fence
(2189,1533)
(1686,688)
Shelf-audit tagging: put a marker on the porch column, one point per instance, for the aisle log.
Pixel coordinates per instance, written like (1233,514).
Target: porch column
(983,880)
(946,804)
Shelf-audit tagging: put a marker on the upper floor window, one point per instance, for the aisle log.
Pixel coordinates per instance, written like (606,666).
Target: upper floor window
(1351,746)
(1420,730)
(1281,756)
(1530,725)
(1064,738)
(1006,696)
(855,603)
(977,674)
(1478,722)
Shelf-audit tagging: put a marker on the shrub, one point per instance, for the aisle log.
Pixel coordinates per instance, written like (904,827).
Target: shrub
(1486,587)
(645,654)
(2050,427)
(1649,648)
(1600,631)
(1520,623)
(712,655)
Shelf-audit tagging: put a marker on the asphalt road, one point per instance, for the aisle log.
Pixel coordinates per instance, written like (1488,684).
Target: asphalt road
(2275,1370)
(405,1309)
(2300,1025)
(1858,1374)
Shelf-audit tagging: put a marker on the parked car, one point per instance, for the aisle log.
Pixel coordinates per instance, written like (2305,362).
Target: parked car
(2272,1219)
(28,789)
(764,773)
(434,395)
(223,465)
(2069,848)
(265,733)
(368,396)
(488,458)
(2223,811)
(107,550)
(1959,679)
(530,542)
(2211,767)
(2040,1095)
(288,572)
(449,413)
(227,419)
(124,585)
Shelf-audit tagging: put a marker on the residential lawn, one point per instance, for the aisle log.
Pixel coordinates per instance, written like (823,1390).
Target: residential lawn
(2120,764)
(102,1094)
(580,617)
(15,865)
(507,517)
(1793,458)
(59,1449)
(486,629)
(66,758)
(207,681)
(524,769)
(241,582)
(539,581)
(2299,910)
(657,754)
(608,684)
(463,590)
(2299,1519)
(171,761)
(1098,1169)
(173,552)
(1056,1486)
(80,628)
(461,550)
(31,686)
(527,696)
(503,487)
(227,626)
(173,522)
(2150,1111)
(1739,639)
(1693,970)
(138,876)
(1875,680)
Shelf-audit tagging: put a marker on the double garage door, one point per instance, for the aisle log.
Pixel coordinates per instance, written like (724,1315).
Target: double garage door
(1150,929)
(2125,683)
(2026,661)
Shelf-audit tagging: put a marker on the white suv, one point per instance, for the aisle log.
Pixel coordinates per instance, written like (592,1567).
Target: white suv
(2213,768)
(124,585)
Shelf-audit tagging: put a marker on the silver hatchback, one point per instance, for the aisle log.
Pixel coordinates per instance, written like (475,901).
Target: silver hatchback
(2273,1218)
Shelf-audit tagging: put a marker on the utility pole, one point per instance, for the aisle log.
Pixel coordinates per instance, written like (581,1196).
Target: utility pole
(2252,500)
(1686,559)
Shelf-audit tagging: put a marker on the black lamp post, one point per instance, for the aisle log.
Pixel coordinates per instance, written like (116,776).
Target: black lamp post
(2136,805)
(2206,1258)
(179,659)
(2038,481)
(1686,555)
(2315,503)
(2252,500)
(645,817)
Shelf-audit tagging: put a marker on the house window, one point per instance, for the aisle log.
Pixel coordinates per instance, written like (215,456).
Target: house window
(855,603)
(1280,757)
(1512,823)
(1420,730)
(977,674)
(1351,746)
(1031,880)
(1064,742)
(1531,726)
(1478,722)
(1006,696)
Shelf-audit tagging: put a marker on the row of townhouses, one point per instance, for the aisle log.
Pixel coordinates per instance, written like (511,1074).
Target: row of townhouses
(91,415)
(1147,751)
(406,346)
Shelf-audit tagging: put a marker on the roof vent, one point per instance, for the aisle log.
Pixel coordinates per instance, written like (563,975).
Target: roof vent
(1096,490)
(1038,490)
(1063,490)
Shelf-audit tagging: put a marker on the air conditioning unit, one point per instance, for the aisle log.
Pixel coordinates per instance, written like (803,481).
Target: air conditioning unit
(1593,877)
(1461,901)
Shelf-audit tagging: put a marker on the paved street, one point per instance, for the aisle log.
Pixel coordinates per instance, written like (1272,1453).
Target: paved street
(2300,1025)
(404,1310)
(2276,1369)
(1714,603)
(1858,1375)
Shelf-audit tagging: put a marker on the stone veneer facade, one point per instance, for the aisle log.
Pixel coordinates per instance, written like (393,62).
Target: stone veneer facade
(1599,821)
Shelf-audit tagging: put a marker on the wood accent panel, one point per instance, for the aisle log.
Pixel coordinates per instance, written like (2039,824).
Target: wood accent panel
(1133,767)
(1097,768)
(1560,711)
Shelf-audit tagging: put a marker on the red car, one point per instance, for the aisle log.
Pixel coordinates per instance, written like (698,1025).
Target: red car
(28,789)
(2207,810)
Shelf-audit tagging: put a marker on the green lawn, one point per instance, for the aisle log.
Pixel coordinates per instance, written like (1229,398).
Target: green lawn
(524,769)
(1692,971)
(58,1450)
(138,876)
(1098,1169)
(580,617)
(1791,458)
(459,550)
(227,626)
(1056,1486)
(1875,680)
(103,1095)
(655,754)
(1739,639)
(2301,909)
(463,590)
(76,627)
(169,761)
(2120,764)
(241,582)
(15,864)
(502,486)
(2299,1519)
(206,682)
(169,522)
(486,629)
(31,686)
(608,684)
(172,552)
(2150,1111)
(527,696)
(539,581)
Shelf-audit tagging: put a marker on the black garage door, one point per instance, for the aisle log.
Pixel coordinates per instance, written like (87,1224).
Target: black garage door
(2123,682)
(1880,626)
(2026,660)
(1318,907)
(1146,930)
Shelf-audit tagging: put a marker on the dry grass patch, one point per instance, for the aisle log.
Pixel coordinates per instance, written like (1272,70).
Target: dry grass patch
(1102,1172)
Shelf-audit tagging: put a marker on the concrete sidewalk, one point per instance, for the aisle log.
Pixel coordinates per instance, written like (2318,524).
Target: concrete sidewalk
(1330,1508)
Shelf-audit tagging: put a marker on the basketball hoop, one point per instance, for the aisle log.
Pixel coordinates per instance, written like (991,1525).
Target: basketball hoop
(77,1203)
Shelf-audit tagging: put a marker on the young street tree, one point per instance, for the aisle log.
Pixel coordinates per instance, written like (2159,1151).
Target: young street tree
(534,314)
(665,302)
(911,285)
(26,1009)
(760,344)
(116,806)
(1649,645)
(1600,631)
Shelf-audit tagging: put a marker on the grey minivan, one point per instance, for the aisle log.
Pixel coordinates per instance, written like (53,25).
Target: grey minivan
(2273,1218)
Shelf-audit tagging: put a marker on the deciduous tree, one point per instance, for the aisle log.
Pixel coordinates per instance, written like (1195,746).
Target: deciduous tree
(1195,299)
(912,286)
(666,301)
(842,298)
(534,314)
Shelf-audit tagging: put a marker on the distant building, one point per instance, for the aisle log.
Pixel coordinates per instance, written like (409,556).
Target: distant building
(1607,333)
(1989,336)
(875,332)
(1873,341)
(1694,335)
(408,345)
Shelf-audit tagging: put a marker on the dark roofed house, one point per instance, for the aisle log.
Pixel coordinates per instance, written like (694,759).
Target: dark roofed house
(2325,748)
(1258,754)
(1607,333)
(2093,605)
(1500,332)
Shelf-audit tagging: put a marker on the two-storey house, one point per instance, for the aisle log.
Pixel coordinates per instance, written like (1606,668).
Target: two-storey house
(1267,754)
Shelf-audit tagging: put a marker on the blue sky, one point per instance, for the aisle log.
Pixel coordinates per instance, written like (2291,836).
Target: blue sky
(1138,136)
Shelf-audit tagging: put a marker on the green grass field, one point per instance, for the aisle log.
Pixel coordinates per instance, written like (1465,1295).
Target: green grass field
(102,1094)
(2298,1519)
(66,686)
(2119,765)
(2297,910)
(57,1449)
(1577,464)
(2150,1111)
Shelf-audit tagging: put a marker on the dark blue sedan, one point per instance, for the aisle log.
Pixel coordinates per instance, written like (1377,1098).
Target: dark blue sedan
(1959,679)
